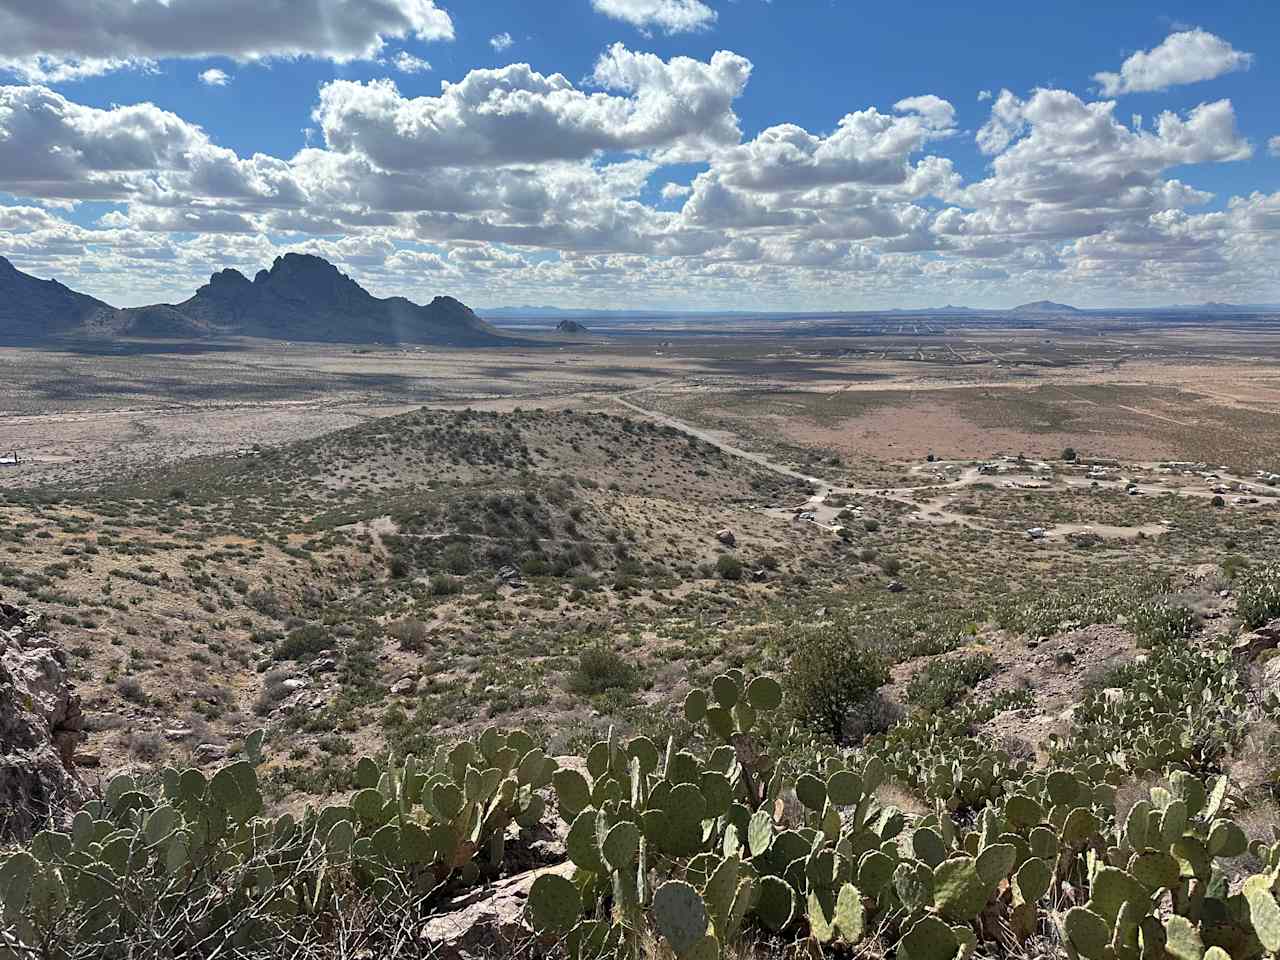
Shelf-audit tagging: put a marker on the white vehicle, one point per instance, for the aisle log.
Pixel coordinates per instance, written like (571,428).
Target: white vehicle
(1036,533)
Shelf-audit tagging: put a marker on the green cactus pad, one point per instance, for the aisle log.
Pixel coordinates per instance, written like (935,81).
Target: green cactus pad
(1154,869)
(582,844)
(695,706)
(367,772)
(995,862)
(928,847)
(765,693)
(720,721)
(1265,914)
(725,690)
(820,908)
(959,892)
(776,907)
(759,832)
(929,939)
(644,750)
(1227,840)
(1111,888)
(1182,938)
(1023,811)
(851,916)
(1088,932)
(680,915)
(844,788)
(811,792)
(621,846)
(554,904)
(913,883)
(1032,880)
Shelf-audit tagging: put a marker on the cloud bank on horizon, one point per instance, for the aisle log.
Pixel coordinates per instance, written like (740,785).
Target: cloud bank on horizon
(636,182)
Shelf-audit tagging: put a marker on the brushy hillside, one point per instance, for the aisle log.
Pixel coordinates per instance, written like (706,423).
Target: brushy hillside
(1145,827)
(303,581)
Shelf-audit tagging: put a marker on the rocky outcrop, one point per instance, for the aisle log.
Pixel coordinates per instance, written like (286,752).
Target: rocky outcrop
(487,922)
(1251,646)
(40,727)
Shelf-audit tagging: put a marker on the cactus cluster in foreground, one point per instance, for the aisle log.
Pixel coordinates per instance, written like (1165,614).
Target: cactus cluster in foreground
(705,849)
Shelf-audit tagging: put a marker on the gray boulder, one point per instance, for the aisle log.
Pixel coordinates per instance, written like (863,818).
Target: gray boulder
(41,725)
(486,922)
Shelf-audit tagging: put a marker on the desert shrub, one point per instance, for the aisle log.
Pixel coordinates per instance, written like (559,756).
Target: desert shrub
(601,669)
(831,675)
(871,525)
(410,634)
(304,643)
(457,559)
(891,565)
(130,689)
(729,567)
(945,683)
(871,718)
(145,746)
(443,585)
(1258,595)
(266,602)
(1069,454)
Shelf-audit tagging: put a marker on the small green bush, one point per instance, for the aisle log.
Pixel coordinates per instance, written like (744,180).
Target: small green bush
(729,567)
(832,675)
(304,643)
(602,669)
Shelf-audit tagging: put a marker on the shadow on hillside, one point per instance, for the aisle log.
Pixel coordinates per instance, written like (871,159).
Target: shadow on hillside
(391,386)
(126,348)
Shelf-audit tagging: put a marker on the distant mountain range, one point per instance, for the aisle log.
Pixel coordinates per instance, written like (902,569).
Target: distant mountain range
(301,297)
(305,298)
(1035,308)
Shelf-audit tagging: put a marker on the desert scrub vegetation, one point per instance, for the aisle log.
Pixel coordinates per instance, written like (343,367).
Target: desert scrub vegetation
(943,683)
(832,675)
(602,669)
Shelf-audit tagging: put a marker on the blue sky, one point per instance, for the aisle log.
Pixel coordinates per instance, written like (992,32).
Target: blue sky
(1074,191)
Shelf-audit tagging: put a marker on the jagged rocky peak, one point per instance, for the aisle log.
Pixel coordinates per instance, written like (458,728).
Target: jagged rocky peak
(304,276)
(225,283)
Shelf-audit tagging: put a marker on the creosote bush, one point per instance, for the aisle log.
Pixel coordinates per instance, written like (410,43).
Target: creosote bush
(601,669)
(832,674)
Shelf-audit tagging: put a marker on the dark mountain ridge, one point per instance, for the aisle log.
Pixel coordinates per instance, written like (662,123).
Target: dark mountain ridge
(301,297)
(1043,306)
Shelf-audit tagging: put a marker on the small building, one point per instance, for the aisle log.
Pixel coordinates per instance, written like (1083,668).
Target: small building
(9,459)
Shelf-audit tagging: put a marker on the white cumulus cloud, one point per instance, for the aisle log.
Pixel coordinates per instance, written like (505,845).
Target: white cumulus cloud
(673,16)
(516,115)
(501,42)
(1185,57)
(406,62)
(213,77)
(58,40)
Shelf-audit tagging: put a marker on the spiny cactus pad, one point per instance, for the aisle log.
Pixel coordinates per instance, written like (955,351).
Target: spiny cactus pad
(554,904)
(680,915)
